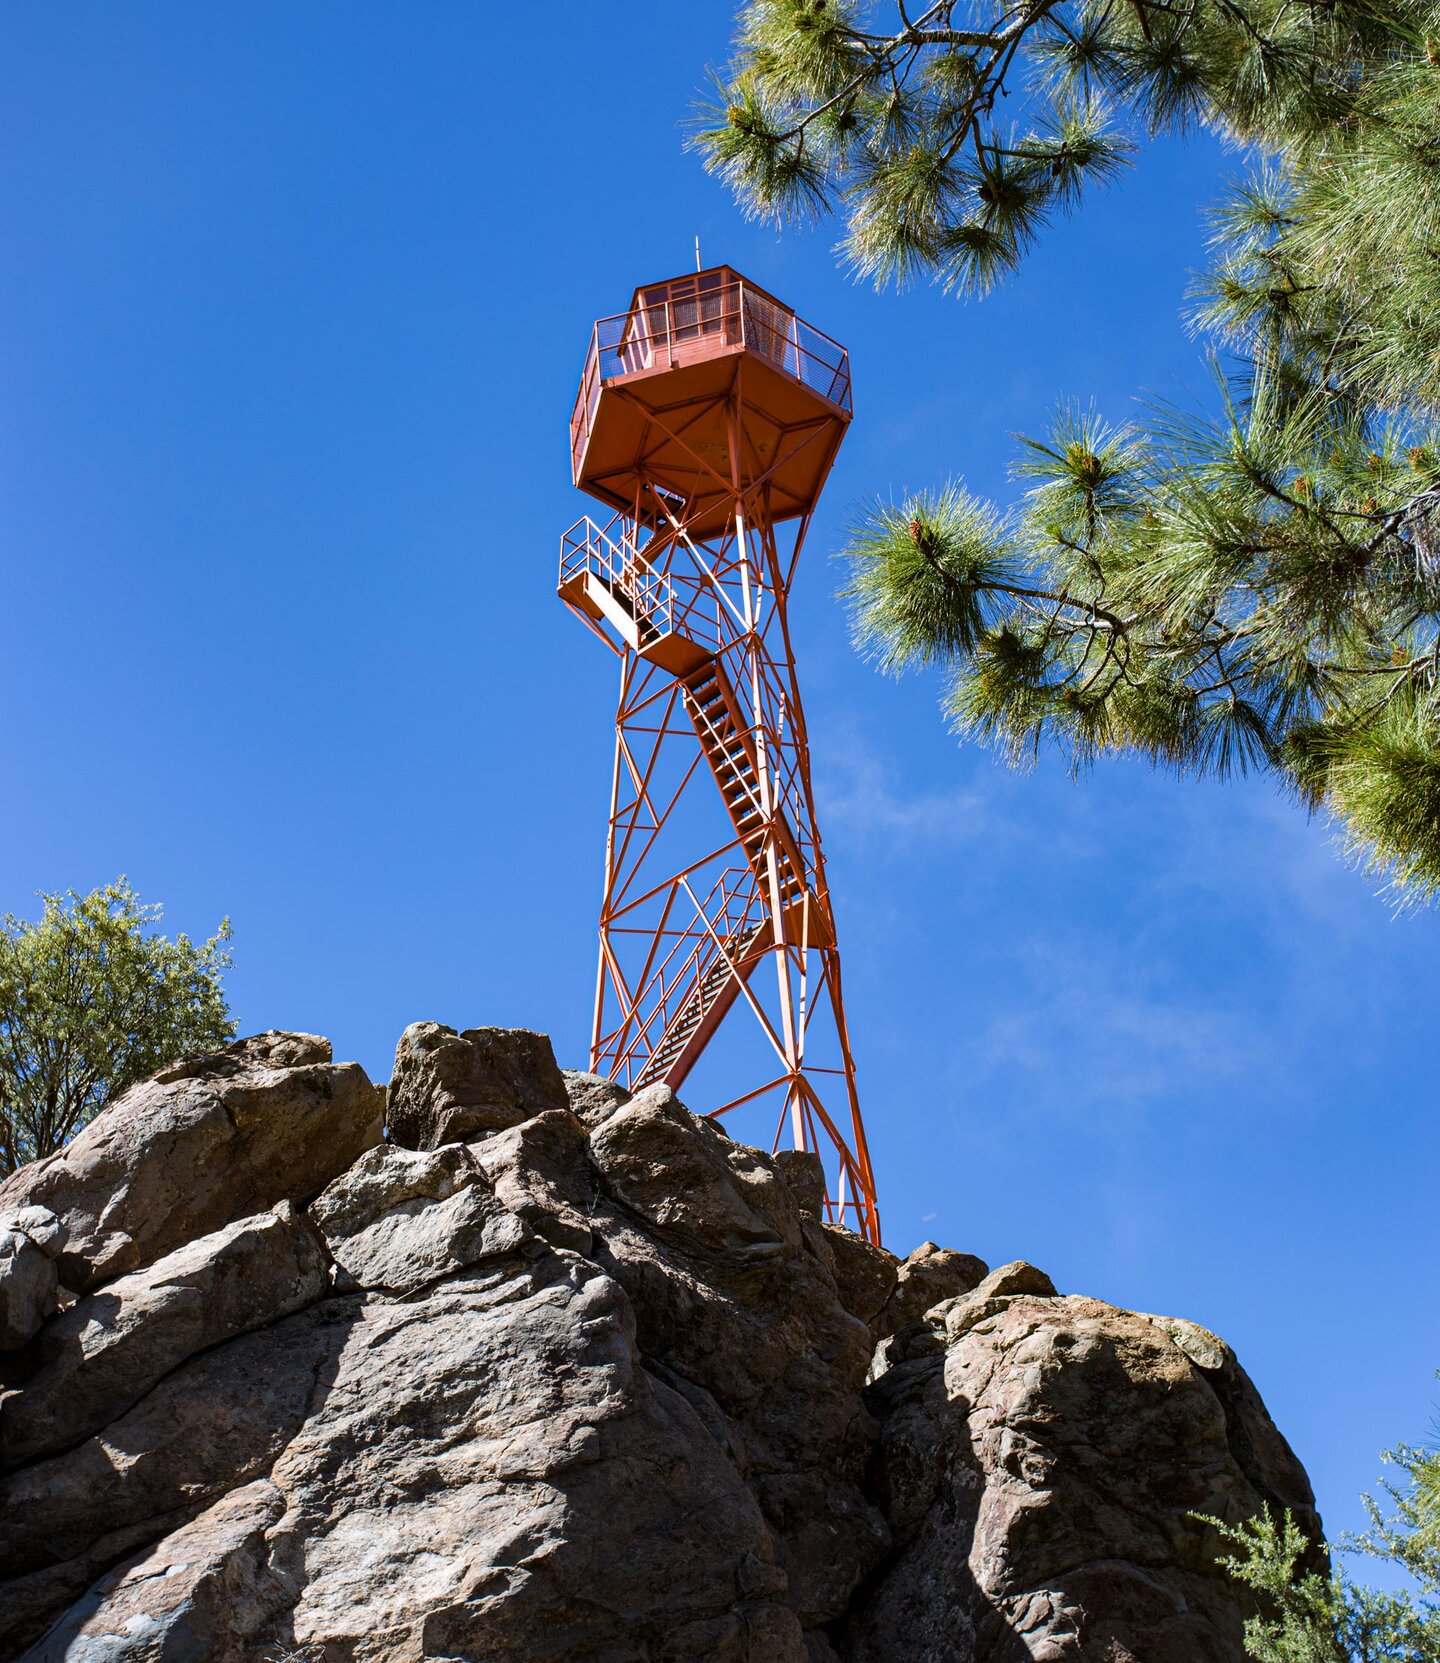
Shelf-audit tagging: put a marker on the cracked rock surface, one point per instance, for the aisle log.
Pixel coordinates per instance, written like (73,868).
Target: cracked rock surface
(545,1373)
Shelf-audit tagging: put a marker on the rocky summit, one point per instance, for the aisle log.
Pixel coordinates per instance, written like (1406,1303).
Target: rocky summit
(505,1364)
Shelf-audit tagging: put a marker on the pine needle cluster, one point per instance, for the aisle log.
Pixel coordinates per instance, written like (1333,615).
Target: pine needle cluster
(948,135)
(1217,595)
(1254,588)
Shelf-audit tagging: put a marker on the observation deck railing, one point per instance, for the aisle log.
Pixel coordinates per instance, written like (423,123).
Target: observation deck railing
(700,316)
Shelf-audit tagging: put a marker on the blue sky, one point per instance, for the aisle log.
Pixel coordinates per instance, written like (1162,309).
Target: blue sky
(292,305)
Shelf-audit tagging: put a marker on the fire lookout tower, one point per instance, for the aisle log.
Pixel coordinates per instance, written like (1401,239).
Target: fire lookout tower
(708,418)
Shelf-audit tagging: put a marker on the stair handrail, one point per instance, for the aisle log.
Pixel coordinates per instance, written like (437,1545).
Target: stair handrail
(710,947)
(730,885)
(621,565)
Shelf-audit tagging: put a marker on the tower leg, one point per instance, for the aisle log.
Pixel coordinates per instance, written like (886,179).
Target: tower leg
(695,907)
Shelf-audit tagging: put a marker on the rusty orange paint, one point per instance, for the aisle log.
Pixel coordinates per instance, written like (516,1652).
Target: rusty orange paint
(708,418)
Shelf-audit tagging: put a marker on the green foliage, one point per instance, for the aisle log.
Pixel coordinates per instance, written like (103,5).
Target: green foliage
(1243,592)
(92,1000)
(1253,588)
(1301,1622)
(1309,1615)
(1406,1536)
(926,577)
(825,109)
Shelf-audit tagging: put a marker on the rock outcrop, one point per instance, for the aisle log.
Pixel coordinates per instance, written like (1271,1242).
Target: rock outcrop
(549,1373)
(209,1140)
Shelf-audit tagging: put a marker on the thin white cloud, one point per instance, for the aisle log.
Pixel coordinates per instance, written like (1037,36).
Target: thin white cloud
(865,802)
(1085,1034)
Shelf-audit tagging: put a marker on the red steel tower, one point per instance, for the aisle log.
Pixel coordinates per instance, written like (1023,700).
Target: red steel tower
(708,418)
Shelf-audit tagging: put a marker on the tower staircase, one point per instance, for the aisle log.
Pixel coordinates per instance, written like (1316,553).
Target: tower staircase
(720,976)
(609,580)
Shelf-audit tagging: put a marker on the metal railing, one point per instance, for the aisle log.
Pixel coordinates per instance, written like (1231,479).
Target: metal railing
(622,567)
(689,319)
(661,602)
(727,922)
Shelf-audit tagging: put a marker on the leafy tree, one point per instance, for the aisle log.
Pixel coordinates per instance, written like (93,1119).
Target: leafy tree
(1257,587)
(92,1000)
(1308,1617)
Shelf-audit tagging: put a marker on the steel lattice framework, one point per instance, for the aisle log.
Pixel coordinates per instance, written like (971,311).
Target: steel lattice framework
(708,417)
